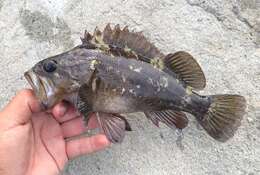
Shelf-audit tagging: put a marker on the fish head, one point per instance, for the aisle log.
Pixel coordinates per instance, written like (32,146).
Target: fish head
(55,78)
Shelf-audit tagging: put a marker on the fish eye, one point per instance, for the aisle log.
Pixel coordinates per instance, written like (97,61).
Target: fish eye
(50,66)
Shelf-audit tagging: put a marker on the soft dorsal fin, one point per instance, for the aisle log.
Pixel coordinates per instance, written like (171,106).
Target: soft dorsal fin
(186,68)
(122,42)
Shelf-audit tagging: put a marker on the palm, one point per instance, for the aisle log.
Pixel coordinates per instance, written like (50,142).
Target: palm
(48,145)
(33,142)
(51,149)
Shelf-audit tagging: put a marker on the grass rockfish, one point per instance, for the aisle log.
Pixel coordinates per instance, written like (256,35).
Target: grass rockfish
(118,71)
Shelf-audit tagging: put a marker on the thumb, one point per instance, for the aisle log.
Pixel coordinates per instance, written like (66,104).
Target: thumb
(20,109)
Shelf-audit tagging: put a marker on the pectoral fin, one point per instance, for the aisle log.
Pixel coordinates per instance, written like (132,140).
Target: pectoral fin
(82,105)
(113,126)
(173,119)
(85,109)
(84,102)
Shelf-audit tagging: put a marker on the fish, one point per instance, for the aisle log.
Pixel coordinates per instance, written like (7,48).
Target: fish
(117,71)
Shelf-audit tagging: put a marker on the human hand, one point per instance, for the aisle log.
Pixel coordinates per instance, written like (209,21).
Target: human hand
(32,141)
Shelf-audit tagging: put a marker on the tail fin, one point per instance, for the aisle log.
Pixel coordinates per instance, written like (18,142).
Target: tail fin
(223,116)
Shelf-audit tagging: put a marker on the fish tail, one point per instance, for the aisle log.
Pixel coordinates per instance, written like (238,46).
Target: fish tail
(223,116)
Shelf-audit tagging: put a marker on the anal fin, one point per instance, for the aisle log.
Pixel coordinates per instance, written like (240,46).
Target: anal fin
(173,119)
(186,68)
(113,126)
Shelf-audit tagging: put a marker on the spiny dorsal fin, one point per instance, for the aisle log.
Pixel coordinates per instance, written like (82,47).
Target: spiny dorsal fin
(122,42)
(129,44)
(186,68)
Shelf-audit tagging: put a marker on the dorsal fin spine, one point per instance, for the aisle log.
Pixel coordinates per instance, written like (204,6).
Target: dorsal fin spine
(124,41)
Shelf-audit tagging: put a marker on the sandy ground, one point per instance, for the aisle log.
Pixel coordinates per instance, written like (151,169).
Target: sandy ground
(223,35)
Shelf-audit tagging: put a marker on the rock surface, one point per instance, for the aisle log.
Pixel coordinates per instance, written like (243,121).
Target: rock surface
(224,36)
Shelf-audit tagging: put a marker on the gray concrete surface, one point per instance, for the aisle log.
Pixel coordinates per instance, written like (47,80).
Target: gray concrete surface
(224,36)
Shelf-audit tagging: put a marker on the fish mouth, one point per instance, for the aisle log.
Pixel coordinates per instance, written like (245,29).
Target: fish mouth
(42,87)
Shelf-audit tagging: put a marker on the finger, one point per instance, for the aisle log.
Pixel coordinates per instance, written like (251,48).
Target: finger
(86,145)
(76,126)
(21,108)
(70,113)
(60,109)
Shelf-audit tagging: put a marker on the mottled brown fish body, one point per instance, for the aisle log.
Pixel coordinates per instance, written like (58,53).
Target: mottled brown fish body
(117,71)
(137,85)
